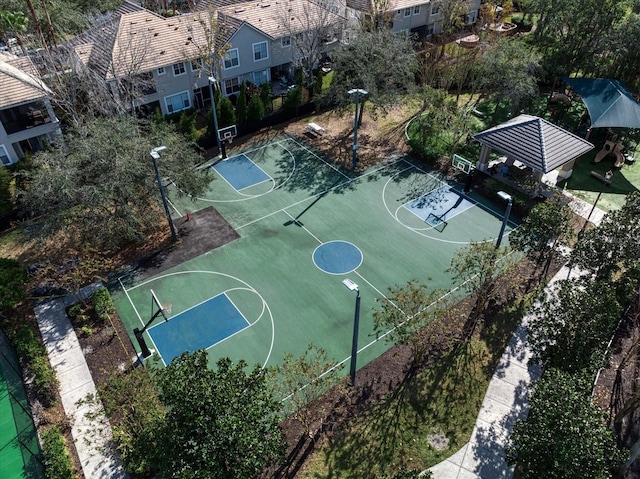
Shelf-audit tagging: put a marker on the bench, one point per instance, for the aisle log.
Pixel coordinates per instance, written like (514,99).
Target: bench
(315,129)
(595,174)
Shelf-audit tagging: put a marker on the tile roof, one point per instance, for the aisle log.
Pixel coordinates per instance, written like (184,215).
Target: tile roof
(534,142)
(140,41)
(367,5)
(19,82)
(278,18)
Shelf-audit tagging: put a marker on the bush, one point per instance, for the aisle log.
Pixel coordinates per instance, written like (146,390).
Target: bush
(56,457)
(255,110)
(34,353)
(103,304)
(12,279)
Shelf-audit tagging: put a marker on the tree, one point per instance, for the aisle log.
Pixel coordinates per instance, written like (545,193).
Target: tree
(478,268)
(573,324)
(219,423)
(255,110)
(265,96)
(380,62)
(241,104)
(564,436)
(298,381)
(227,115)
(12,279)
(407,311)
(310,26)
(509,69)
(612,248)
(6,196)
(16,23)
(104,187)
(541,233)
(293,98)
(569,32)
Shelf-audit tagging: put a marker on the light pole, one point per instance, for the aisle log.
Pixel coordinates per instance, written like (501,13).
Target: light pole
(212,80)
(358,92)
(509,199)
(155,155)
(351,286)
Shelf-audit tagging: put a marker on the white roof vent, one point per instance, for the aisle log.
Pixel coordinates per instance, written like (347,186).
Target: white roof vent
(239,10)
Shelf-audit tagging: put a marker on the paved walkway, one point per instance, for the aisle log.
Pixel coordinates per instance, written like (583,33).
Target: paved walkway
(506,399)
(92,437)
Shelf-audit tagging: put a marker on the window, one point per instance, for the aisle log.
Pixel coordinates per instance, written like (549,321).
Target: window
(4,157)
(231,59)
(430,29)
(435,8)
(407,12)
(260,51)
(286,41)
(197,64)
(179,69)
(416,9)
(260,77)
(399,12)
(231,86)
(161,71)
(178,102)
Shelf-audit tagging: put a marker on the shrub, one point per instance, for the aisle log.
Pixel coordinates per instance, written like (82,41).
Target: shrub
(34,353)
(103,304)
(255,110)
(44,379)
(56,457)
(12,279)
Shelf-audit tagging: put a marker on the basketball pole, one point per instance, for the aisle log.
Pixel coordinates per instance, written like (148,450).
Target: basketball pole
(138,333)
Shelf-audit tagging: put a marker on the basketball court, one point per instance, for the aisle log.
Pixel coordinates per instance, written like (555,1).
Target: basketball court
(305,226)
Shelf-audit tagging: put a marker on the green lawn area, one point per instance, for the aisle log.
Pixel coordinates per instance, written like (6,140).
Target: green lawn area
(581,183)
(440,405)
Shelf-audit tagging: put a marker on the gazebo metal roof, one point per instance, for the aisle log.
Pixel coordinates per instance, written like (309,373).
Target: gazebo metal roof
(535,142)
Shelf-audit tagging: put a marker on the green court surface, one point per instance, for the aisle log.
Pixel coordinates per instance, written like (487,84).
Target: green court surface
(19,448)
(303,230)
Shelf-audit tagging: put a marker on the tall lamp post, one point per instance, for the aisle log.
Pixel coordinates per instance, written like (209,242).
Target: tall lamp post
(358,92)
(212,80)
(155,155)
(506,197)
(351,286)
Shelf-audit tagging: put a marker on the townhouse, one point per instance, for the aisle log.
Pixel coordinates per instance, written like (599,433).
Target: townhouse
(27,120)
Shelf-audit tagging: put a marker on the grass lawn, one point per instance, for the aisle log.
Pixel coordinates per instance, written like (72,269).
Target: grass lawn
(581,183)
(423,421)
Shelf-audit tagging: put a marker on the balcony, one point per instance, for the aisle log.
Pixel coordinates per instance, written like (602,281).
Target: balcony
(24,117)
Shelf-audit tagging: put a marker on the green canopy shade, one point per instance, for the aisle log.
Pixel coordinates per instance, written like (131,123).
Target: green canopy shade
(609,103)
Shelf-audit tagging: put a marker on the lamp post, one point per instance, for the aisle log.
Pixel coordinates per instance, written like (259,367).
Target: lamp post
(155,155)
(212,80)
(358,92)
(506,197)
(351,286)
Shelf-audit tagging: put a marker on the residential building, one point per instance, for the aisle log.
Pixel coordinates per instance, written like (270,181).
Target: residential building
(27,120)
(155,62)
(419,17)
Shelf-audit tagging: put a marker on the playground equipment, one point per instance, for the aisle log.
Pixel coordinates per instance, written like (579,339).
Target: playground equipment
(611,148)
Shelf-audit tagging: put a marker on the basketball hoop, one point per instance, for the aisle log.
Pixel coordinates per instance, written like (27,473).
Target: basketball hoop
(228,137)
(166,307)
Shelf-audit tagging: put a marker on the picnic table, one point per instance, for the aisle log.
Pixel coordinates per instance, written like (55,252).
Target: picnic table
(315,129)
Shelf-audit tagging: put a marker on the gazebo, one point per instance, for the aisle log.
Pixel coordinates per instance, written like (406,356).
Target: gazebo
(609,103)
(531,146)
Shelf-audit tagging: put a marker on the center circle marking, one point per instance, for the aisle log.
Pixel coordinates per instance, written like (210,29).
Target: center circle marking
(337,257)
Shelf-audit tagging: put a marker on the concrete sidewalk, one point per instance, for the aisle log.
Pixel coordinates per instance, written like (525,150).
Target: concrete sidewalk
(89,426)
(507,397)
